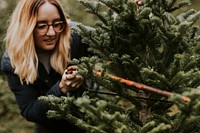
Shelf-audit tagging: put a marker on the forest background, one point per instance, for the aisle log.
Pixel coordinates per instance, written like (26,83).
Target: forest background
(10,119)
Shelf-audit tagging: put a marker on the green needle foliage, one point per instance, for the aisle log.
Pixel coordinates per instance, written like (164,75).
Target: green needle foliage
(146,44)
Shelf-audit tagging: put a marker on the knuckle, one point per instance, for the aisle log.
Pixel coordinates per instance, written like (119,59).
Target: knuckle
(73,85)
(68,83)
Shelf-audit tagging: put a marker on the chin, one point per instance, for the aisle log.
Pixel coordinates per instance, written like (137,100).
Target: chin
(49,46)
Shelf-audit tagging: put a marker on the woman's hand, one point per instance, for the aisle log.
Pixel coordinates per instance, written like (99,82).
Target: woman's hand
(70,80)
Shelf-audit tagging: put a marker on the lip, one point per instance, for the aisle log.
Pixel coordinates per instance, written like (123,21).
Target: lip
(49,40)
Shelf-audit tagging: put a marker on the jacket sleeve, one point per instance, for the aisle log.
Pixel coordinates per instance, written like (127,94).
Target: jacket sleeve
(78,48)
(27,95)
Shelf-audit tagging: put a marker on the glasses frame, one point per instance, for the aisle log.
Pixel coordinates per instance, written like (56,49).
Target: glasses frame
(53,26)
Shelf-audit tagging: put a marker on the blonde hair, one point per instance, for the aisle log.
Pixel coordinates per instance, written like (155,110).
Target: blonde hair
(20,41)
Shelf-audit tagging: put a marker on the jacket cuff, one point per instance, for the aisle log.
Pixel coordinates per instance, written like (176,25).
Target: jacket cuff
(55,90)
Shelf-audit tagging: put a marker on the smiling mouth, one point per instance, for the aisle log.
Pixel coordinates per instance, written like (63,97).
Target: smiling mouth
(49,40)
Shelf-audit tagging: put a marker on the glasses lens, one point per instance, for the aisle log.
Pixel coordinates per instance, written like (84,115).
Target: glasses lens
(42,28)
(58,26)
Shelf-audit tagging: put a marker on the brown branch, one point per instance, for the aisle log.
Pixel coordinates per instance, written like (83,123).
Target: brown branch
(144,87)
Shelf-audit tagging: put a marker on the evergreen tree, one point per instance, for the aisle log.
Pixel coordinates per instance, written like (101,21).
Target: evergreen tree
(144,75)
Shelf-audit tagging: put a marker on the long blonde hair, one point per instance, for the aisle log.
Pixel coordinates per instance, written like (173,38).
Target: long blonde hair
(20,41)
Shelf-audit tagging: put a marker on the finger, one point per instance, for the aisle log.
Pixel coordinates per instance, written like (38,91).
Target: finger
(71,83)
(72,68)
(72,75)
(64,76)
(77,81)
(77,85)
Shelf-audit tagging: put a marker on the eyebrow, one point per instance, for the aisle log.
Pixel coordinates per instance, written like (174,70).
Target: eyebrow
(45,21)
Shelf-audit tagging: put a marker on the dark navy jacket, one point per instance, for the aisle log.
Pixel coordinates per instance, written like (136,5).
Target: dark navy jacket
(26,95)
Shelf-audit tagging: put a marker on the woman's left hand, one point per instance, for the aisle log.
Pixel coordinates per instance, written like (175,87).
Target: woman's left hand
(70,80)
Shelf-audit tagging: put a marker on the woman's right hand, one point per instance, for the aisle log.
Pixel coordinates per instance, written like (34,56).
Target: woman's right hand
(70,80)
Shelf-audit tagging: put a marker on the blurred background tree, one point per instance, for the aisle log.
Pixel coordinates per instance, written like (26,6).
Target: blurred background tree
(9,113)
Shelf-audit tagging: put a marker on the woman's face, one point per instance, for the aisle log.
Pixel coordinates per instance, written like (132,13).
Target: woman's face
(46,38)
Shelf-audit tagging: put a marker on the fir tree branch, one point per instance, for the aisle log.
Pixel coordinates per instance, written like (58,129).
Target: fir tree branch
(144,87)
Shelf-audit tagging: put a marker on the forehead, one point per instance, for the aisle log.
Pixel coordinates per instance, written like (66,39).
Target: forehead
(47,12)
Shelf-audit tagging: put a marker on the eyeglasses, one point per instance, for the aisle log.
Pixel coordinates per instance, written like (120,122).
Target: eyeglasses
(43,28)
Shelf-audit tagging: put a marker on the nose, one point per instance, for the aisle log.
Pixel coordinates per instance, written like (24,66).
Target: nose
(50,31)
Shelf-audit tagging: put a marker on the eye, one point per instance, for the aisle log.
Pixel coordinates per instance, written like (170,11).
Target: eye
(58,24)
(42,26)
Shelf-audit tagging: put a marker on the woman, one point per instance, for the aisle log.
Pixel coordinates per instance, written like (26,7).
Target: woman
(39,46)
